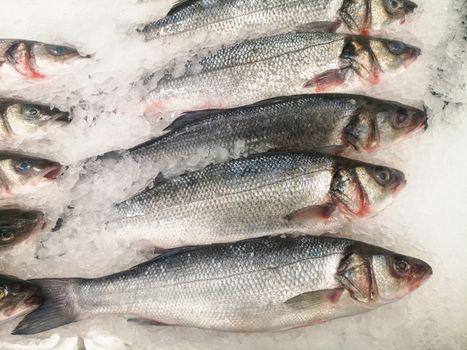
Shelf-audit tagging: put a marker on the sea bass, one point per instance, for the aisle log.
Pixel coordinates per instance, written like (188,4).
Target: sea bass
(265,194)
(238,18)
(284,64)
(21,118)
(34,59)
(18,172)
(16,225)
(330,122)
(264,284)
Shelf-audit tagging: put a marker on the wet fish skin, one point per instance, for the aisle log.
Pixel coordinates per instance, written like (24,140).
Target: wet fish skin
(23,118)
(270,193)
(239,17)
(284,64)
(16,225)
(264,284)
(332,122)
(36,60)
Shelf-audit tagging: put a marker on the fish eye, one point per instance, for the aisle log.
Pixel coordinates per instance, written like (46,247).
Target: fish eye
(401,266)
(396,47)
(59,50)
(400,119)
(23,166)
(3,293)
(6,234)
(382,175)
(32,112)
(393,5)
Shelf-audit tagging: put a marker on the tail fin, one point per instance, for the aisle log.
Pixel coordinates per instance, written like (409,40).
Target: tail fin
(57,309)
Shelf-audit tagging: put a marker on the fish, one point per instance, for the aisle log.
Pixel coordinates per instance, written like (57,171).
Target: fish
(36,60)
(275,192)
(328,122)
(19,172)
(263,284)
(23,118)
(238,18)
(17,297)
(17,225)
(284,64)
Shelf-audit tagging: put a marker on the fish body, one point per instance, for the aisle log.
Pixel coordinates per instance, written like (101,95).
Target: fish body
(267,67)
(36,60)
(264,284)
(239,17)
(266,194)
(333,122)
(22,118)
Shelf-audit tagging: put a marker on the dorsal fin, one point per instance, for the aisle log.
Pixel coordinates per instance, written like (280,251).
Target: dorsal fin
(188,118)
(180,5)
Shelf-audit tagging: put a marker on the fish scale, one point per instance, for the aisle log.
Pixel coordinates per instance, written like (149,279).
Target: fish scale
(221,201)
(302,122)
(262,284)
(239,16)
(243,290)
(254,70)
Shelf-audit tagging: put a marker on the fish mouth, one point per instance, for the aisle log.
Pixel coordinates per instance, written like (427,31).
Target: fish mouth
(412,55)
(423,277)
(64,117)
(410,6)
(52,173)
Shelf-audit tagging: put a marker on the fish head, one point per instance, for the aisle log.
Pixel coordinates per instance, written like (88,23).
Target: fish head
(375,276)
(16,225)
(391,55)
(381,124)
(359,189)
(387,11)
(24,118)
(361,16)
(370,57)
(18,170)
(17,297)
(50,59)
(35,60)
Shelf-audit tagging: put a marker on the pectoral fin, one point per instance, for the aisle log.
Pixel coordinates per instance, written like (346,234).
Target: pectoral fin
(316,299)
(314,213)
(324,26)
(327,80)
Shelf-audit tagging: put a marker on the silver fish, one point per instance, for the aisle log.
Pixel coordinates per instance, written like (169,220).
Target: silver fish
(34,59)
(270,283)
(265,194)
(240,17)
(283,64)
(21,118)
(332,122)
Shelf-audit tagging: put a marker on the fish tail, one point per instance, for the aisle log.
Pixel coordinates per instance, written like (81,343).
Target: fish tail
(58,308)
